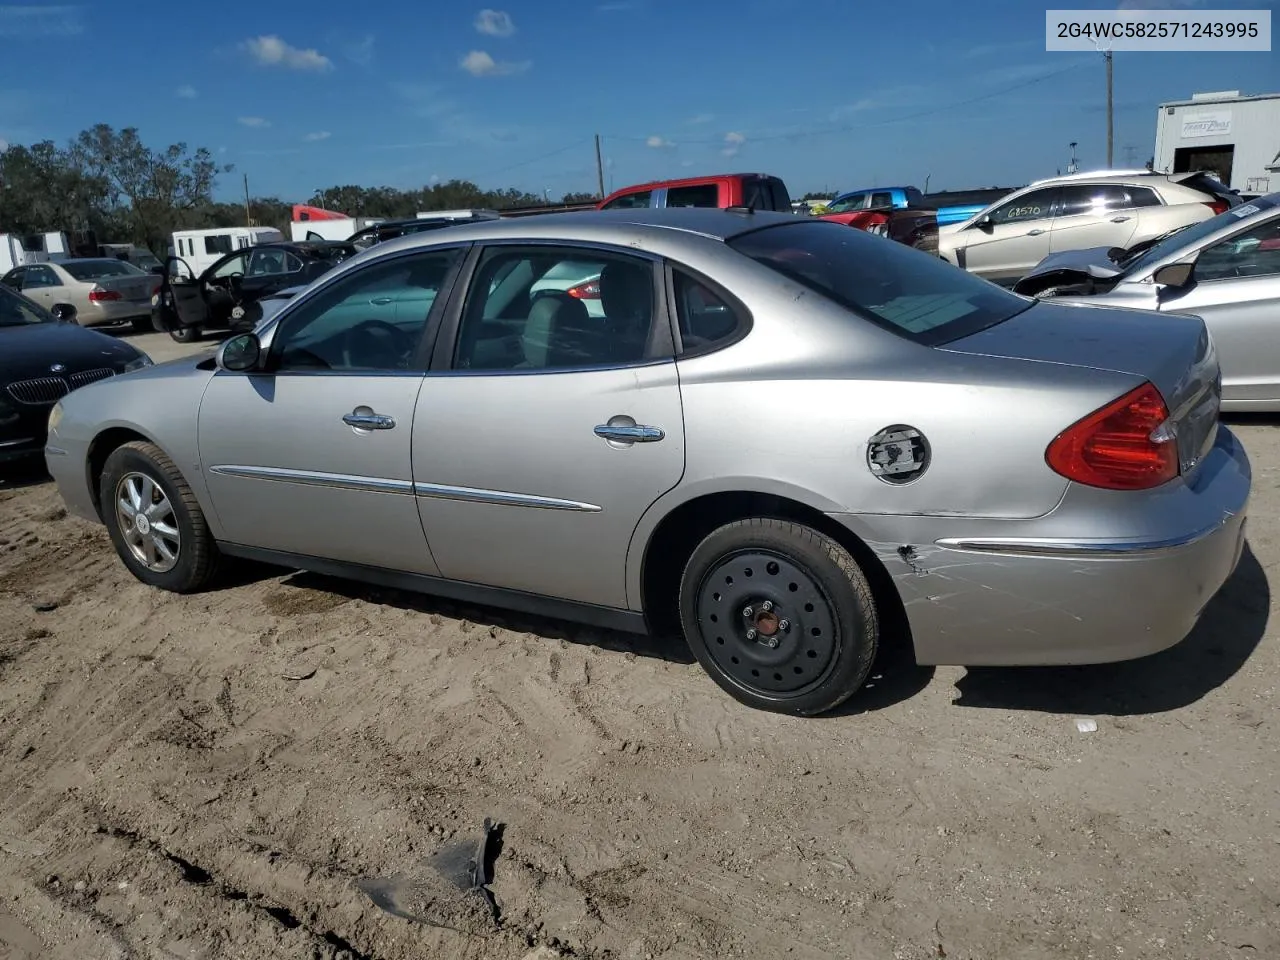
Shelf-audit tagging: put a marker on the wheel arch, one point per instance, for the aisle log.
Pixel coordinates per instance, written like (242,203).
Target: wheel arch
(660,557)
(101,447)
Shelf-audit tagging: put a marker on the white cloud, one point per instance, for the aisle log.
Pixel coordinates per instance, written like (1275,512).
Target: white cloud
(186,92)
(256,122)
(361,51)
(480,64)
(4,144)
(733,142)
(658,143)
(317,136)
(435,178)
(40,21)
(700,119)
(271,51)
(495,23)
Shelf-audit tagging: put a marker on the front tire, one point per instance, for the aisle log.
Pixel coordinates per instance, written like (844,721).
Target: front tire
(780,615)
(155,521)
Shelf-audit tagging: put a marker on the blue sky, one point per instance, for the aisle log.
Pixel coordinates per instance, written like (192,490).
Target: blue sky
(828,94)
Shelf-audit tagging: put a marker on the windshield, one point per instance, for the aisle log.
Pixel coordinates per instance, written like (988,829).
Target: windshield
(910,293)
(16,311)
(87,270)
(1189,236)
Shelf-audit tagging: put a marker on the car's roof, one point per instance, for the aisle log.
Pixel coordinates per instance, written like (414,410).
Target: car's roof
(605,226)
(1104,176)
(689,181)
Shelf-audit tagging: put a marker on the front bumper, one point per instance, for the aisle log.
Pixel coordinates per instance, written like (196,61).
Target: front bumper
(67,462)
(22,431)
(1009,593)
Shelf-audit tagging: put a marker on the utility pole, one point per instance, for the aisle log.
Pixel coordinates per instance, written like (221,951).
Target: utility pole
(248,218)
(599,168)
(1110,115)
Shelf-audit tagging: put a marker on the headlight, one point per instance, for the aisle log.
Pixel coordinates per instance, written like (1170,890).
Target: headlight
(55,416)
(142,361)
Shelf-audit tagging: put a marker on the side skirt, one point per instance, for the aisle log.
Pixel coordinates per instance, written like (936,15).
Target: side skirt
(609,618)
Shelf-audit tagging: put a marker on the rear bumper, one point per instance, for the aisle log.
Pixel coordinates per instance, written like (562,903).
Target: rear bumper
(1022,593)
(112,311)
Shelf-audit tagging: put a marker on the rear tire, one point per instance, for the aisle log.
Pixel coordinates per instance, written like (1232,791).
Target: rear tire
(171,547)
(186,334)
(780,615)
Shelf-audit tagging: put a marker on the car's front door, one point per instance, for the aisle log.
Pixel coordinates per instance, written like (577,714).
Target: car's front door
(1092,215)
(1236,290)
(1014,240)
(311,456)
(544,433)
(42,285)
(185,294)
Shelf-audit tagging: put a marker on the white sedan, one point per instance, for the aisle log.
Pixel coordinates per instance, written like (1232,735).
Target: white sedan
(103,290)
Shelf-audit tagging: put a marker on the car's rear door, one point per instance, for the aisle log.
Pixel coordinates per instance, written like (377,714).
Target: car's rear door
(312,456)
(1092,215)
(543,433)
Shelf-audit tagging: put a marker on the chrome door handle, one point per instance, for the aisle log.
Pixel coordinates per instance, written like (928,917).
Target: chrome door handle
(1119,219)
(380,301)
(369,421)
(1034,233)
(620,433)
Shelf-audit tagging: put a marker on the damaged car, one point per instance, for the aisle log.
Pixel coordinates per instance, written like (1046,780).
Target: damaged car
(1225,270)
(228,294)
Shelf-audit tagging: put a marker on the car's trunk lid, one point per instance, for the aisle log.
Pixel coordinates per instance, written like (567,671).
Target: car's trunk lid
(1174,352)
(133,289)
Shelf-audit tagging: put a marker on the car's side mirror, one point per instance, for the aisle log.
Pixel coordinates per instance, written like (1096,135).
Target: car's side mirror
(1176,275)
(985,223)
(240,353)
(63,312)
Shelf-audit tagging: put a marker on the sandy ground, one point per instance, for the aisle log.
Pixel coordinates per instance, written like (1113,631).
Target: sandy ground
(217,776)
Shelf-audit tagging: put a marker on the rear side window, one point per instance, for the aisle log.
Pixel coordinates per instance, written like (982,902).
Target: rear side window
(629,201)
(706,320)
(702,195)
(920,298)
(1143,197)
(881,199)
(1078,199)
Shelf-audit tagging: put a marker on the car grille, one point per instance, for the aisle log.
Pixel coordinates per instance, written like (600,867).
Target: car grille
(43,391)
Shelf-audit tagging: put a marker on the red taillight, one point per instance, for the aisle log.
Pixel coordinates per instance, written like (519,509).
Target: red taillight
(1217,206)
(97,296)
(587,290)
(156,292)
(1127,445)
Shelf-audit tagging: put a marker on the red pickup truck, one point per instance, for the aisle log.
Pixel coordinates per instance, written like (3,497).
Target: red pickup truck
(762,191)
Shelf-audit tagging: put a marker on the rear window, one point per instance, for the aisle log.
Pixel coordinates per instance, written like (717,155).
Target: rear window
(86,270)
(912,294)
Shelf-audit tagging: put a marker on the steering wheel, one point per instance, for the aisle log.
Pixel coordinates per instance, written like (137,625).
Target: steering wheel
(377,344)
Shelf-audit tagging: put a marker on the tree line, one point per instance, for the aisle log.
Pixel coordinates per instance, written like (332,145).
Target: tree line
(108,182)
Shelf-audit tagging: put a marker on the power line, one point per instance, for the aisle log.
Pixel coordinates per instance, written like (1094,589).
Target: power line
(524,163)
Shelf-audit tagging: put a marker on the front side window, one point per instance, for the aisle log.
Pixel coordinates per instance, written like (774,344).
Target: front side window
(37,277)
(917,297)
(1253,253)
(854,201)
(371,320)
(233,267)
(266,262)
(537,315)
(630,201)
(1036,205)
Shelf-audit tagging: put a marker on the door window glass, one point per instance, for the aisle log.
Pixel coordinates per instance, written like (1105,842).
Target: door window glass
(1079,199)
(881,200)
(13,278)
(372,319)
(556,308)
(233,266)
(629,201)
(855,201)
(1036,205)
(36,277)
(1253,253)
(272,260)
(706,320)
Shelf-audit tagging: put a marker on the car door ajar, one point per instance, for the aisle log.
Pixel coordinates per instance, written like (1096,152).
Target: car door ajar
(543,433)
(311,456)
(1016,239)
(1236,291)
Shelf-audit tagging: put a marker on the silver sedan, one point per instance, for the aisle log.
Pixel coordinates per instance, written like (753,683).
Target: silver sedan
(788,440)
(1225,270)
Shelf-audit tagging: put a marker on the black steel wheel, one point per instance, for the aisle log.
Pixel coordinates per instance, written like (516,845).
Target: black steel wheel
(779,615)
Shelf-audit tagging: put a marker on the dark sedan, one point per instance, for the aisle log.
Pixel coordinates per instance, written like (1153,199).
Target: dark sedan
(44,357)
(226,295)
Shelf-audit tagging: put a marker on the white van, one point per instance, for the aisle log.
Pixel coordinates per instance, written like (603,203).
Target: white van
(201,249)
